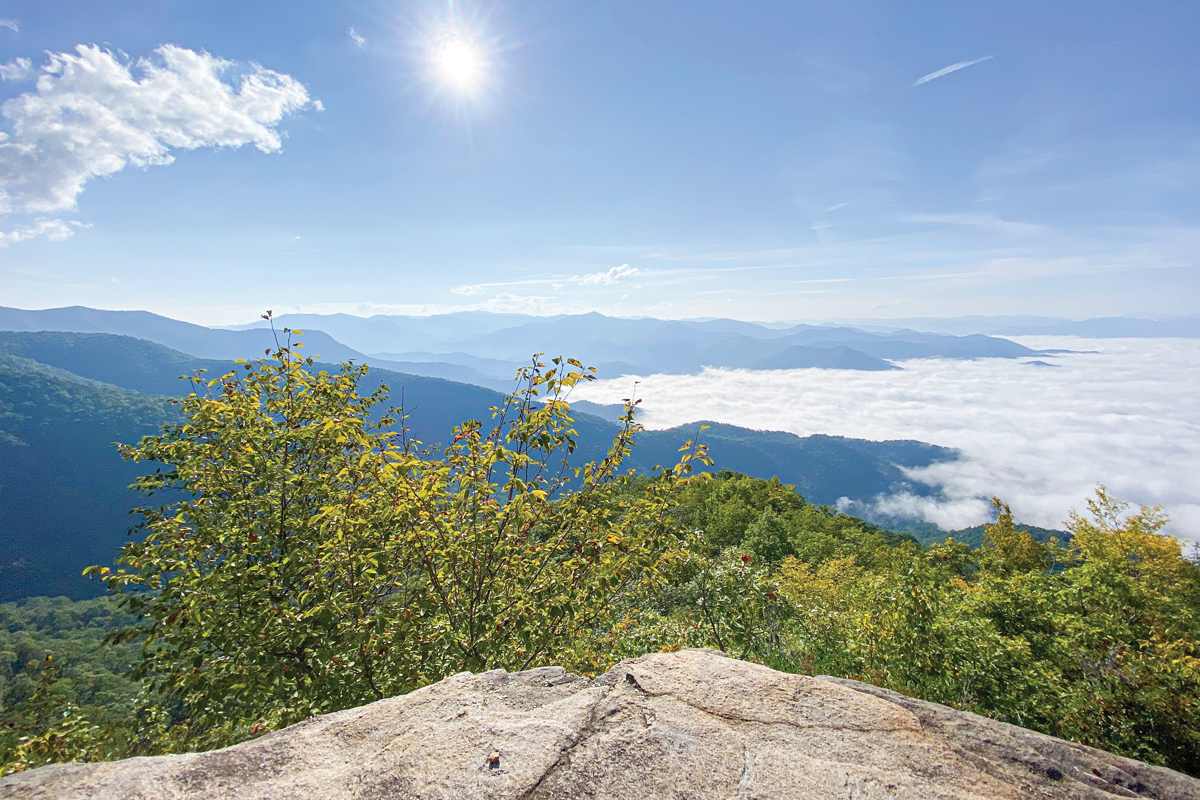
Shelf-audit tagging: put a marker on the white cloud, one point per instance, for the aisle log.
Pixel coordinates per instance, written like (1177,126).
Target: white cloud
(359,40)
(990,223)
(950,515)
(468,289)
(1040,438)
(11,24)
(90,117)
(949,69)
(609,277)
(16,70)
(53,229)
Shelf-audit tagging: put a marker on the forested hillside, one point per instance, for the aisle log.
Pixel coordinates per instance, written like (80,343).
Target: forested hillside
(63,498)
(68,397)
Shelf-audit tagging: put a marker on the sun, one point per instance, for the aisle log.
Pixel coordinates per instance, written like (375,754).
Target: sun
(459,64)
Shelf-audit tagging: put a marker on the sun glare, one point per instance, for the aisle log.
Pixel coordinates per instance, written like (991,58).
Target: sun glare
(459,64)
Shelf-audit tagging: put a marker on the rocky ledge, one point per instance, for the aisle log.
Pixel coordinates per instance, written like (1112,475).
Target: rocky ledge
(692,724)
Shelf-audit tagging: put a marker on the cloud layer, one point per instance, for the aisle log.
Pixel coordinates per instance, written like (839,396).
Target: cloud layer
(91,116)
(1039,437)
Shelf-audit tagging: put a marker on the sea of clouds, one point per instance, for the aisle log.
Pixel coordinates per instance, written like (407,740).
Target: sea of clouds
(1041,438)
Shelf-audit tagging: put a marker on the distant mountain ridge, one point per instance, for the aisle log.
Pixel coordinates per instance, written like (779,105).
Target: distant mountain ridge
(63,486)
(674,346)
(216,343)
(486,349)
(1181,327)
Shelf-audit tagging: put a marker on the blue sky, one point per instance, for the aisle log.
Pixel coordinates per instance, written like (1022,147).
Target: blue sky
(771,161)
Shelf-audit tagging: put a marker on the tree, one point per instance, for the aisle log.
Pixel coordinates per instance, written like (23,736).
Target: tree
(1007,550)
(1096,643)
(319,559)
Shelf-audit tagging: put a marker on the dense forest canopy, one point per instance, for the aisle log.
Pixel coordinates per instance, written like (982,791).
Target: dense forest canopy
(310,557)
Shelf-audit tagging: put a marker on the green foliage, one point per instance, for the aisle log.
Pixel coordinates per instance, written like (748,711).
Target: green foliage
(62,695)
(1096,643)
(770,520)
(725,593)
(928,534)
(63,486)
(321,560)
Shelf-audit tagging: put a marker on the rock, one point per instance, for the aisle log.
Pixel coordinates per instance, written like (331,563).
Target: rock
(669,725)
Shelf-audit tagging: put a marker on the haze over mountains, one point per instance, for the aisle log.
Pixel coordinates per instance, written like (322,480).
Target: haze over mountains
(1180,327)
(486,349)
(640,346)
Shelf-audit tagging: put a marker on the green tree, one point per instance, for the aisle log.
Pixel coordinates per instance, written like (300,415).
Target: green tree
(1096,643)
(1007,550)
(320,559)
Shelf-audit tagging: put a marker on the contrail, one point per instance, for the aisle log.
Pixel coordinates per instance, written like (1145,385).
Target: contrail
(949,69)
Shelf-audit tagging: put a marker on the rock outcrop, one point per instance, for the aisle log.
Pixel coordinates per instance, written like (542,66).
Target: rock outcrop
(692,724)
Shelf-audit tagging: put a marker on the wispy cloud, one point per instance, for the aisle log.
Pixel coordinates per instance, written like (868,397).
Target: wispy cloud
(53,229)
(16,70)
(608,277)
(359,40)
(469,289)
(11,24)
(981,221)
(949,69)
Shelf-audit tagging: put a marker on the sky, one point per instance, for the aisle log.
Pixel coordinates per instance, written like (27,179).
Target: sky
(1124,413)
(768,161)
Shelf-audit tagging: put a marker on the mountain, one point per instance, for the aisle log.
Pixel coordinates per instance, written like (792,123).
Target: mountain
(213,343)
(1183,327)
(121,361)
(491,367)
(822,468)
(672,346)
(928,533)
(399,333)
(492,344)
(448,371)
(64,502)
(1116,328)
(195,340)
(434,405)
(63,498)
(797,357)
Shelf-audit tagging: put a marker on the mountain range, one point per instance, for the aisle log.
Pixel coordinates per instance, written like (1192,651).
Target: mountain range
(487,349)
(66,397)
(1178,327)
(619,346)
